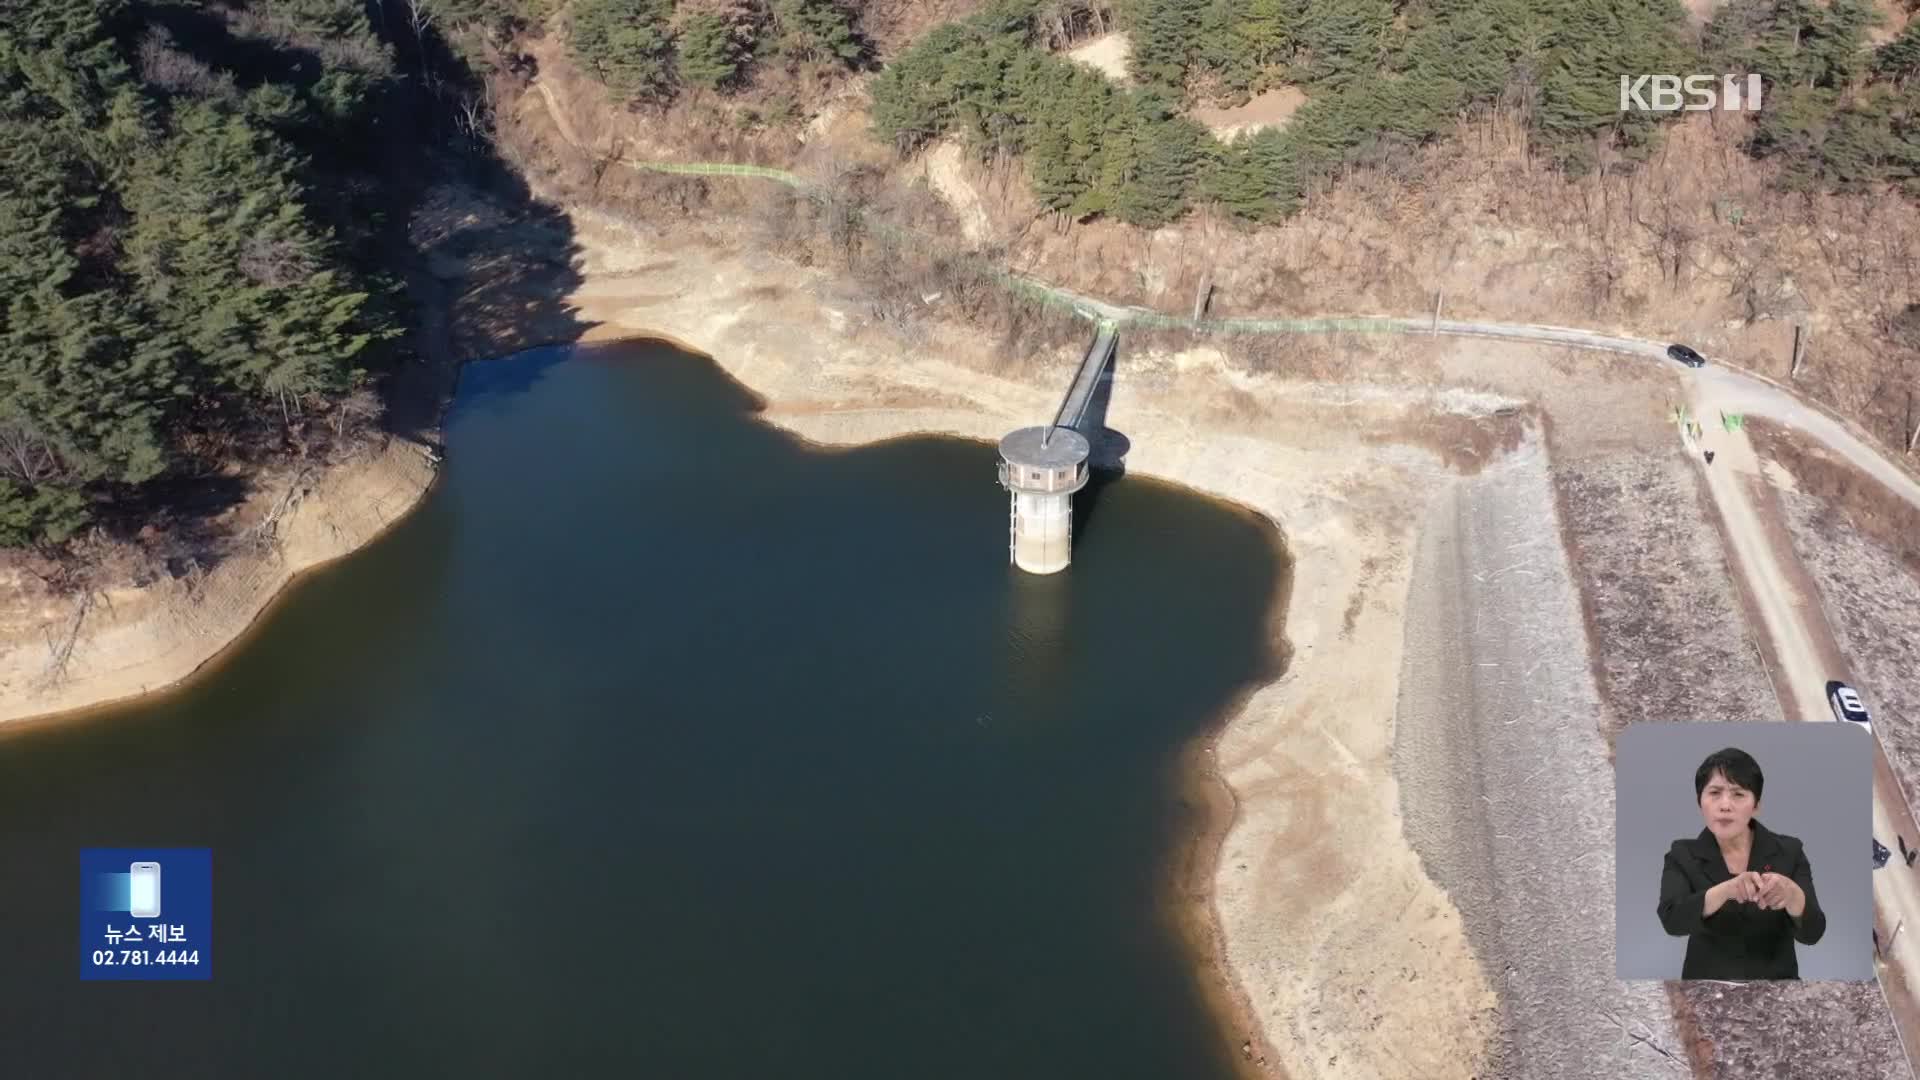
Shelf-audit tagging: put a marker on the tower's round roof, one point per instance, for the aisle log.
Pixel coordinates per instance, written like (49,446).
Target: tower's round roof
(1066,448)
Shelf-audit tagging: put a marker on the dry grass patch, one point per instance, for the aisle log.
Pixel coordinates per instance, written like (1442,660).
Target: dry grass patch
(1271,108)
(1796,1030)
(1670,641)
(1670,644)
(1107,54)
(1861,544)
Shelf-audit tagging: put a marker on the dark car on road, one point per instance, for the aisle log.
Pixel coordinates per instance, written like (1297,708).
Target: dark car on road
(1686,356)
(1847,704)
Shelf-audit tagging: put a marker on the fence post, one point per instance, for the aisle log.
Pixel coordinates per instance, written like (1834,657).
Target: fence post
(1435,328)
(1201,298)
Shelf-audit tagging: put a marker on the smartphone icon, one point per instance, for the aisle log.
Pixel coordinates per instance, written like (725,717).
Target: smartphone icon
(144,894)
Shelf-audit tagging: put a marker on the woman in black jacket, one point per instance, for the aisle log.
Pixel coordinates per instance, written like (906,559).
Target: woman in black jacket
(1739,892)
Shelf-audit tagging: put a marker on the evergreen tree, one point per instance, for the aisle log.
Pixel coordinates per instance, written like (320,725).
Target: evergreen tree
(495,18)
(222,249)
(910,105)
(1579,105)
(1384,78)
(1265,33)
(711,52)
(626,44)
(160,260)
(1345,40)
(816,30)
(43,513)
(1087,108)
(1468,55)
(1794,128)
(1861,150)
(1903,117)
(1233,184)
(1220,48)
(1575,111)
(1163,41)
(1899,60)
(1162,159)
(1838,33)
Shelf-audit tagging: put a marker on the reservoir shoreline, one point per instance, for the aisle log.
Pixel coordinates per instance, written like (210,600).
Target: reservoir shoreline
(825,373)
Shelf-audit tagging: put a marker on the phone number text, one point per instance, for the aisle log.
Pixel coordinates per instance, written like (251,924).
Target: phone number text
(137,957)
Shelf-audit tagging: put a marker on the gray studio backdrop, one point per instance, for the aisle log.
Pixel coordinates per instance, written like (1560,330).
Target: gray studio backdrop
(1818,787)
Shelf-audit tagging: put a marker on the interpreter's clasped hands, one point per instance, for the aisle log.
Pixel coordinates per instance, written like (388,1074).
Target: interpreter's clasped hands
(1767,891)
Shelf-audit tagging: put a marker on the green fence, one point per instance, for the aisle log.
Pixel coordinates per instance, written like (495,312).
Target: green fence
(704,168)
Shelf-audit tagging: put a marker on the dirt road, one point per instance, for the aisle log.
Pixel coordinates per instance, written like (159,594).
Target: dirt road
(1804,654)
(1738,392)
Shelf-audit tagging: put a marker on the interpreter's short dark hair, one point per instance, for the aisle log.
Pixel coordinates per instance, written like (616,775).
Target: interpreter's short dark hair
(1737,766)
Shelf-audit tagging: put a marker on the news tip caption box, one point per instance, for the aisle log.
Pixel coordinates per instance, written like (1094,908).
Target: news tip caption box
(146,914)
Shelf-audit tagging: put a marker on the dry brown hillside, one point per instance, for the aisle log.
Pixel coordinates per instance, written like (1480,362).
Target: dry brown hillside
(1695,245)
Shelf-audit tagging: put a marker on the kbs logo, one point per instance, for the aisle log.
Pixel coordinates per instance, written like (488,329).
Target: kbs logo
(1695,93)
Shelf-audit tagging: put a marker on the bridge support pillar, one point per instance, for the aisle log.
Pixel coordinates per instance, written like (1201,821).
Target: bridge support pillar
(1041,468)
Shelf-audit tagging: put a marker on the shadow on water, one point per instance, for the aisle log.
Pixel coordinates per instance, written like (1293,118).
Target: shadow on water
(447,211)
(1086,504)
(659,743)
(370,122)
(493,385)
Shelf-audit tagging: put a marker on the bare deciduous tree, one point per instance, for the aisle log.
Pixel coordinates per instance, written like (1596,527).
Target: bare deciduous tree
(1058,23)
(419,18)
(359,52)
(1904,330)
(473,114)
(357,410)
(26,454)
(165,66)
(276,262)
